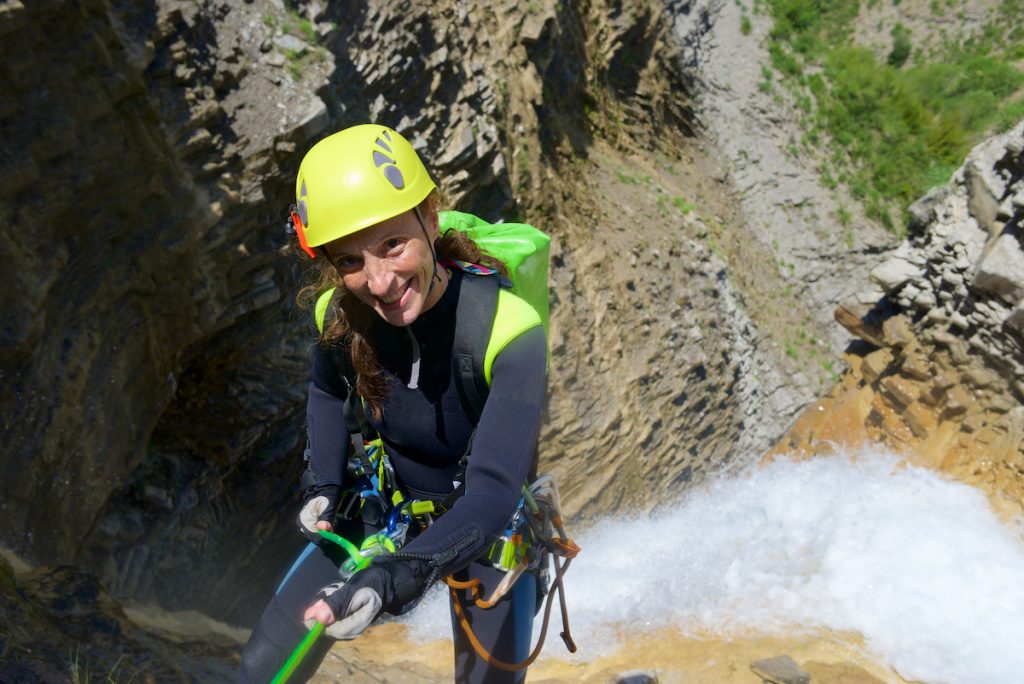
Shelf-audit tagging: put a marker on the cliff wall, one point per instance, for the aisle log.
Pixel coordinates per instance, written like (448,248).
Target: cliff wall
(154,362)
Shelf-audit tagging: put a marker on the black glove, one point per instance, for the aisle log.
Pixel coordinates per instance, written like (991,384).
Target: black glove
(389,586)
(319,503)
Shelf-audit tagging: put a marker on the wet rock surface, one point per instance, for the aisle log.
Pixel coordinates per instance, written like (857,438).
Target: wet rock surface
(61,624)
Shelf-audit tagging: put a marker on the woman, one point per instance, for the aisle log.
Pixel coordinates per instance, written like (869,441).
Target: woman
(367,211)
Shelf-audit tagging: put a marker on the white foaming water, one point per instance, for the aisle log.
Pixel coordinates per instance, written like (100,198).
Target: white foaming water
(917,564)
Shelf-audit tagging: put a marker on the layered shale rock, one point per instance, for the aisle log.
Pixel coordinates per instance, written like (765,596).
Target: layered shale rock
(154,363)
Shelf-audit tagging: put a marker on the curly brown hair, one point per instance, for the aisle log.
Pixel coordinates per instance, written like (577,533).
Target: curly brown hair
(348,321)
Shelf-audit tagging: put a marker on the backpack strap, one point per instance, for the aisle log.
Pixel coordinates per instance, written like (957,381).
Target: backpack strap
(512,317)
(320,310)
(474,318)
(355,417)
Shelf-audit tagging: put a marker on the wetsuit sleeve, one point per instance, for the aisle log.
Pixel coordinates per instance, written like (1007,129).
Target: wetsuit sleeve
(503,449)
(325,421)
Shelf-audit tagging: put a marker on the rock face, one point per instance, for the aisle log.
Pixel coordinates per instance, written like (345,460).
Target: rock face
(942,376)
(145,352)
(154,367)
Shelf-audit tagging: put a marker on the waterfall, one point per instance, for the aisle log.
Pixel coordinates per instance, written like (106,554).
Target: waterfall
(916,563)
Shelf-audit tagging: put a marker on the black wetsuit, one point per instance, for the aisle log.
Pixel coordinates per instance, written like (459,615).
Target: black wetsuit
(426,432)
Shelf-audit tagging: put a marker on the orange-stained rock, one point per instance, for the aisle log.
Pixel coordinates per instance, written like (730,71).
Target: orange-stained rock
(920,419)
(944,423)
(849,315)
(875,363)
(904,391)
(897,331)
(958,399)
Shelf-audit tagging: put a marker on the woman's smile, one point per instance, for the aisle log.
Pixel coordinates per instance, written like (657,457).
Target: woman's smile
(390,267)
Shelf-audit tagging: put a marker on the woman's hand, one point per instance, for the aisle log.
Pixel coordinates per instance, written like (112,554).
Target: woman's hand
(321,612)
(346,609)
(319,510)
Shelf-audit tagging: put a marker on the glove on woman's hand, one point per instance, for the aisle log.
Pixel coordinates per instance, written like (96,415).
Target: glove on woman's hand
(318,510)
(348,608)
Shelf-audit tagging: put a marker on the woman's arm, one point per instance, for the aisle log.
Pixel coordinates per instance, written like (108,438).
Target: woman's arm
(503,449)
(327,443)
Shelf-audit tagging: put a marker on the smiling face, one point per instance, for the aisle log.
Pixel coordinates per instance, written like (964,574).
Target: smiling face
(389,266)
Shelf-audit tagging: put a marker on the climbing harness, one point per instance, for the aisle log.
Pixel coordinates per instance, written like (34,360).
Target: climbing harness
(534,537)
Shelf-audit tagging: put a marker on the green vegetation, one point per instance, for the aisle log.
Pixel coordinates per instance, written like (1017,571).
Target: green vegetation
(682,205)
(80,673)
(301,27)
(901,46)
(639,179)
(900,126)
(745,26)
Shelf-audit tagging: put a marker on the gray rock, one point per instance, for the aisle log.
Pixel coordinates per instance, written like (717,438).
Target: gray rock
(923,211)
(1001,270)
(780,670)
(315,120)
(982,202)
(274,59)
(1015,320)
(290,43)
(891,275)
(635,677)
(925,300)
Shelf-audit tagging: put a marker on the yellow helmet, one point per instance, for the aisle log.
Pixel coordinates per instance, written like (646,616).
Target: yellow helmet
(354,179)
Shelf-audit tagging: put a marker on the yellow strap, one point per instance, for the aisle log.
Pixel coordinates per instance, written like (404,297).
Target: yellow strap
(320,310)
(513,317)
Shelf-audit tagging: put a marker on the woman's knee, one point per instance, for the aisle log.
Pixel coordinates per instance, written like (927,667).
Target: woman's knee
(261,658)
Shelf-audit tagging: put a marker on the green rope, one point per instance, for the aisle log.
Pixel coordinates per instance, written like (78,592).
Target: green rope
(298,654)
(317,629)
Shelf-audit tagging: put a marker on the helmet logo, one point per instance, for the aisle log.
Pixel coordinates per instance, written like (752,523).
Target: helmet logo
(391,172)
(302,205)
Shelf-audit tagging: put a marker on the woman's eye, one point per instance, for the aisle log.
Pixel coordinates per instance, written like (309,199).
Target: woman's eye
(347,263)
(393,245)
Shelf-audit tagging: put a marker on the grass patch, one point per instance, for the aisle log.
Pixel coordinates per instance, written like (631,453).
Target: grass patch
(897,126)
(682,205)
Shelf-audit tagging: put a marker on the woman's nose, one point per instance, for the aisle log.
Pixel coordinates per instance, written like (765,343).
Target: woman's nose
(379,277)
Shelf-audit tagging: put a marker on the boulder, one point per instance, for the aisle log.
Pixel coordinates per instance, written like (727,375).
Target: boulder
(1001,270)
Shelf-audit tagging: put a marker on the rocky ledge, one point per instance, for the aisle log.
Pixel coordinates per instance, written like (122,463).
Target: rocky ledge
(938,373)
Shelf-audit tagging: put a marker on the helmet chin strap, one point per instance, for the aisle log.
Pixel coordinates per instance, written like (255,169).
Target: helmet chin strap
(434,277)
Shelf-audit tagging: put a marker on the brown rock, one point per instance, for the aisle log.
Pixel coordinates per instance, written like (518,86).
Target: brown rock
(1003,403)
(957,347)
(903,391)
(972,423)
(958,400)
(839,673)
(780,670)
(897,332)
(846,315)
(980,377)
(875,364)
(916,366)
(943,381)
(920,419)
